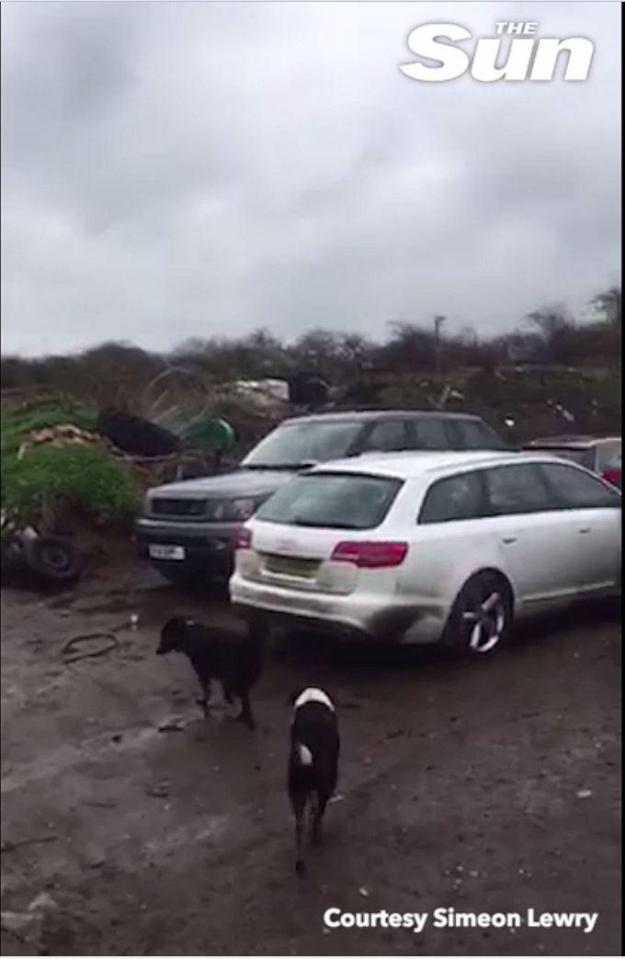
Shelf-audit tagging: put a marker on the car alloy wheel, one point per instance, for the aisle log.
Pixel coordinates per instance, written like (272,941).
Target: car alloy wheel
(482,614)
(486,623)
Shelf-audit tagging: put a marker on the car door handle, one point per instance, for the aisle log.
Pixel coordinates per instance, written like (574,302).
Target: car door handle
(508,540)
(584,529)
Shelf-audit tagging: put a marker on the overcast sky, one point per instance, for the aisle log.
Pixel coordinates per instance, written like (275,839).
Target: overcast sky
(173,170)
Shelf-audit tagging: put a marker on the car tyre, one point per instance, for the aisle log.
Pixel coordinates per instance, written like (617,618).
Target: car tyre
(481,617)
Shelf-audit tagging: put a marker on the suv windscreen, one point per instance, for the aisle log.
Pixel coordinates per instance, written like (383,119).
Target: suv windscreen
(332,500)
(302,444)
(609,456)
(386,436)
(476,435)
(430,433)
(583,457)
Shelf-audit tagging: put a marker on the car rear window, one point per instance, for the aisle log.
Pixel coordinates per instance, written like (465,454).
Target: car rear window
(331,500)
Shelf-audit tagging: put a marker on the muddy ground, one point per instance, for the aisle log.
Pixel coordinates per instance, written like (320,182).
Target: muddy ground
(459,787)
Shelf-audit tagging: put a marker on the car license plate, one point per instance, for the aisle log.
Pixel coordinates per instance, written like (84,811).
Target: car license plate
(166,552)
(287,566)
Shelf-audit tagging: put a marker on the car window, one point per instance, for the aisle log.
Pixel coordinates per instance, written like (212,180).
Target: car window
(333,500)
(300,443)
(387,436)
(575,489)
(475,435)
(458,497)
(609,456)
(428,433)
(516,489)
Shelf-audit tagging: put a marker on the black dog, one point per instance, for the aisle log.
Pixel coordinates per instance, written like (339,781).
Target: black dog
(232,659)
(313,763)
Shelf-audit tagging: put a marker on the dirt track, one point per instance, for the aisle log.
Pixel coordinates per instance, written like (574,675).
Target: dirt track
(459,788)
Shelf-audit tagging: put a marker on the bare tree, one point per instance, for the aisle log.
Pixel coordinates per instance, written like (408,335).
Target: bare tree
(555,326)
(609,302)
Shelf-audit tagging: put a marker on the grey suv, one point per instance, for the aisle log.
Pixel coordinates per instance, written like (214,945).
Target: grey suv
(187,529)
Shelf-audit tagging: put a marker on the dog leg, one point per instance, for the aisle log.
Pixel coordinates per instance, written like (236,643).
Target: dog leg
(203,701)
(235,708)
(245,716)
(299,810)
(233,701)
(216,702)
(318,809)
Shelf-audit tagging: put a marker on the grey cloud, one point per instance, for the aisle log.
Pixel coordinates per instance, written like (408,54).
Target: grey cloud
(175,170)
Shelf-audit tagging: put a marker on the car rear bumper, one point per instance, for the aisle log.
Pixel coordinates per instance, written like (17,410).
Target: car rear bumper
(407,621)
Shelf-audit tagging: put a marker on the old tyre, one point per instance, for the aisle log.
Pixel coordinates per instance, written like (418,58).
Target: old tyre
(54,558)
(481,616)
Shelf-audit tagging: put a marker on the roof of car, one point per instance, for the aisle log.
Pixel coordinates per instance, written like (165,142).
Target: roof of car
(364,415)
(571,441)
(410,465)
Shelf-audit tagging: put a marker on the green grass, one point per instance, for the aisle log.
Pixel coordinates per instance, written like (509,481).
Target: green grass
(84,479)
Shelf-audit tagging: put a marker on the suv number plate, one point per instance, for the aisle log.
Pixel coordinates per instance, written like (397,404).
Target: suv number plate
(166,552)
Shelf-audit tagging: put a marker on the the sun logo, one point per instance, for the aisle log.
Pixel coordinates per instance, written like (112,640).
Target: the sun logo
(528,58)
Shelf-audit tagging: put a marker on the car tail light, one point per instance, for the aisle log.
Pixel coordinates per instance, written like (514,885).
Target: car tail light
(370,555)
(244,539)
(612,476)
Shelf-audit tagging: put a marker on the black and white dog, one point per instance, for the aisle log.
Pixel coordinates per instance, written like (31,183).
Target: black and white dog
(232,659)
(313,763)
